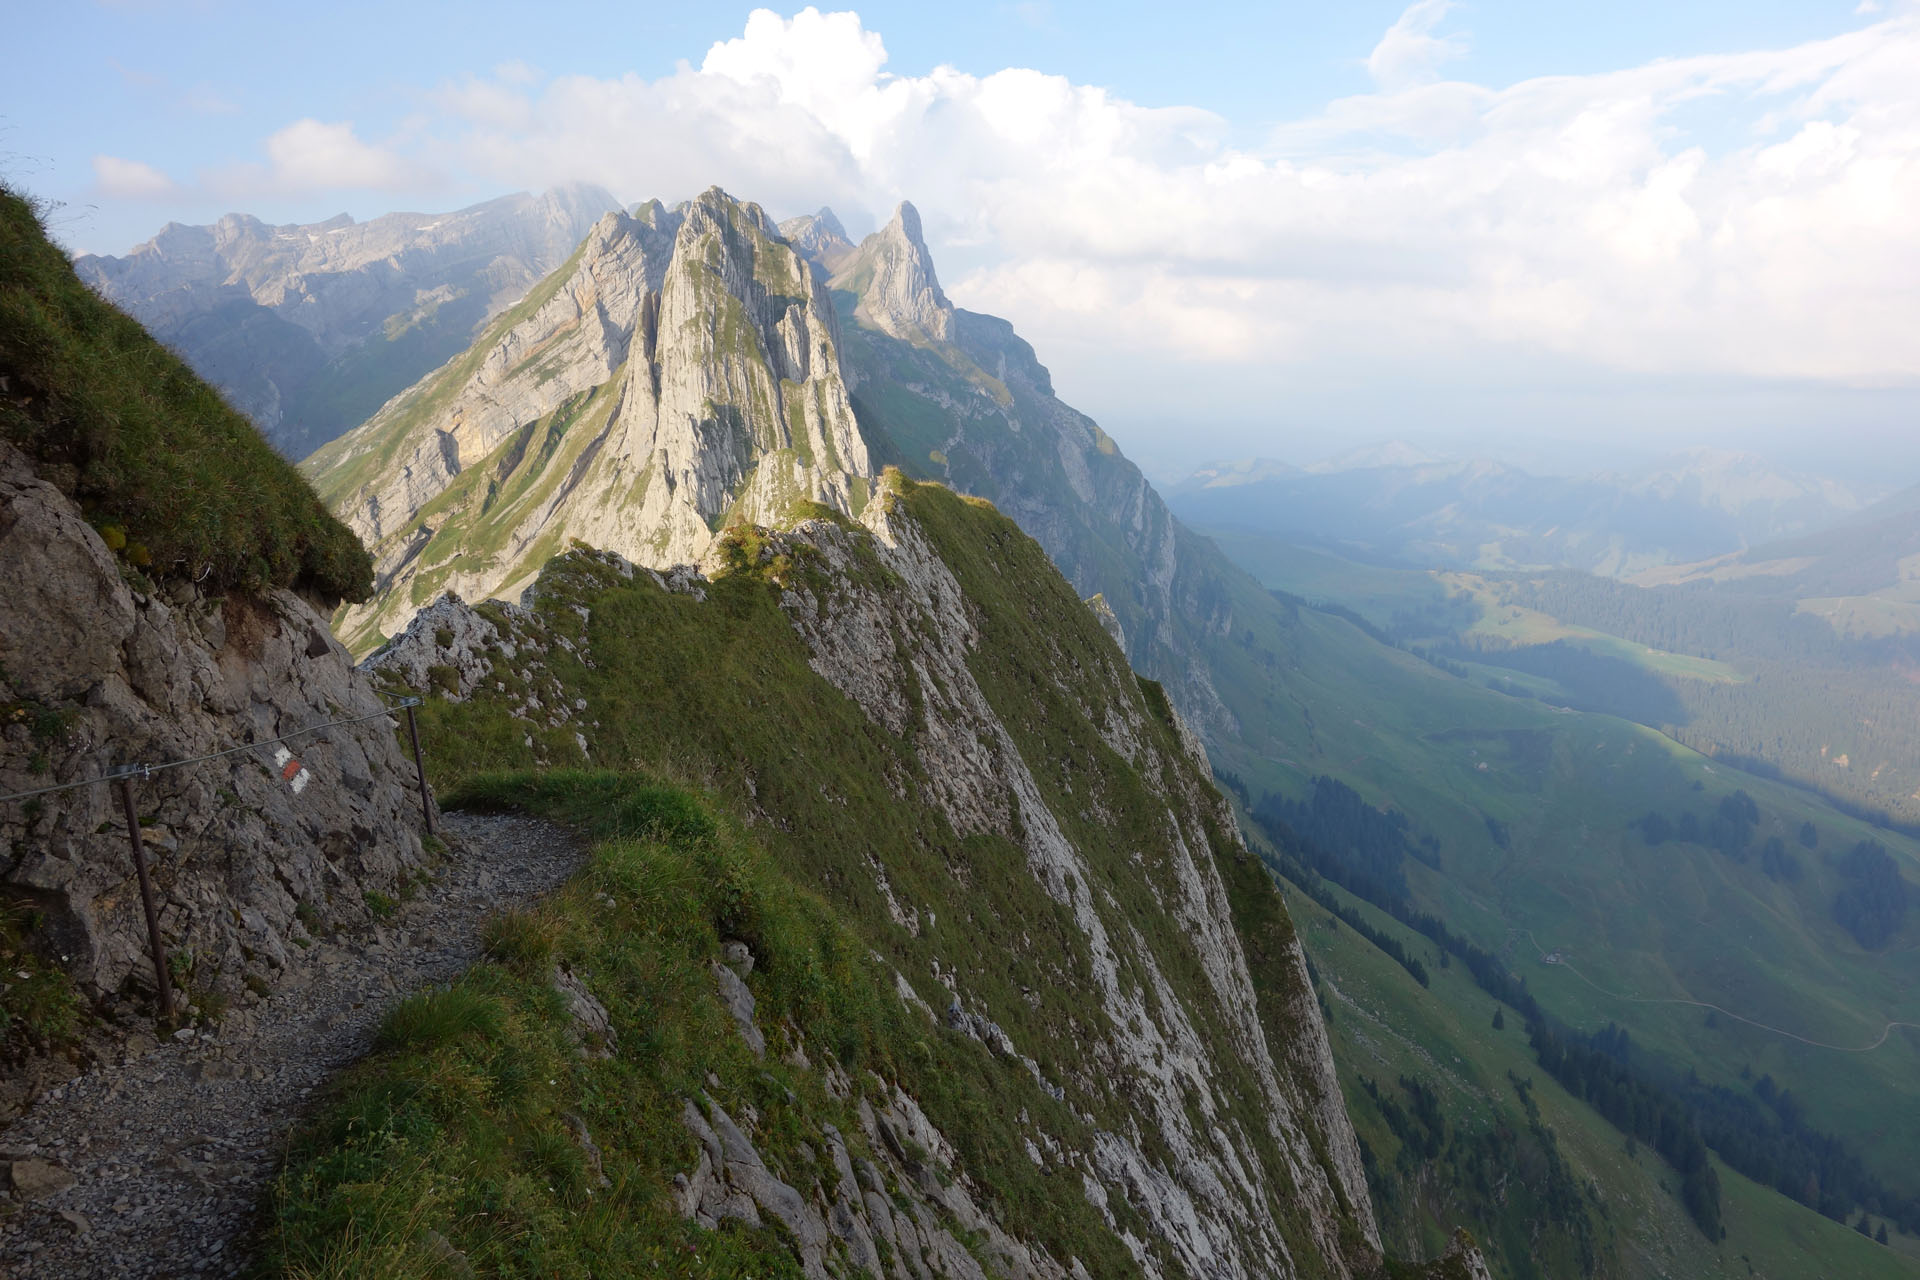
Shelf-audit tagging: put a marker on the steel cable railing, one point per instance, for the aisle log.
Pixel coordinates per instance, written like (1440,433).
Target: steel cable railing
(126,774)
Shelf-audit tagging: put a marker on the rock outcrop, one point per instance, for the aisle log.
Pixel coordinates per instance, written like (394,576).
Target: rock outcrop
(900,1216)
(307,329)
(253,851)
(1204,1200)
(819,237)
(681,375)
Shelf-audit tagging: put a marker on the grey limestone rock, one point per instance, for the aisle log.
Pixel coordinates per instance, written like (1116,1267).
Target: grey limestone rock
(837,1224)
(592,1026)
(819,237)
(903,295)
(444,648)
(243,846)
(681,375)
(739,1001)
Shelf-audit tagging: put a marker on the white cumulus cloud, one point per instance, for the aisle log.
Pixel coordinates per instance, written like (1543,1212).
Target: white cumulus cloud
(130,179)
(1574,215)
(310,155)
(1409,53)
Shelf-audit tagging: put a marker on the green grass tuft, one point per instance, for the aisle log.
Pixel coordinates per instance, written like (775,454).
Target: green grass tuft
(437,1018)
(452,1148)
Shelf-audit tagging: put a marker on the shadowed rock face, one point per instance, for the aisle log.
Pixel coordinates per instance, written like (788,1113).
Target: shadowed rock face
(680,374)
(244,861)
(308,329)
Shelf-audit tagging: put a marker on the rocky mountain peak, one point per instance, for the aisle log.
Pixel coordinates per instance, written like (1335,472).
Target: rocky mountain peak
(819,237)
(572,203)
(892,274)
(830,224)
(680,374)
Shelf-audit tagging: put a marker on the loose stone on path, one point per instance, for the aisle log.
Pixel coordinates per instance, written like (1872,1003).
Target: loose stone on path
(155,1165)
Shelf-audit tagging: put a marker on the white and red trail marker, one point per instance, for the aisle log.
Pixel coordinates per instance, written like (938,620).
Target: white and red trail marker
(292,772)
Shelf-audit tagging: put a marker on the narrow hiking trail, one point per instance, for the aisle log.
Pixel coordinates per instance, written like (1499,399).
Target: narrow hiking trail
(155,1165)
(1556,959)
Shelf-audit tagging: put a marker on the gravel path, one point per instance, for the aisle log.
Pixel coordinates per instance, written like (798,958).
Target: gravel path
(171,1148)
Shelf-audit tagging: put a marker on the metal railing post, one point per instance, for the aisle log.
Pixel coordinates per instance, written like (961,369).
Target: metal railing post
(124,775)
(413,731)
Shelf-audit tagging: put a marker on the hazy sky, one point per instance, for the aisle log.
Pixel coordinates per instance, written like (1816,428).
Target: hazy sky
(1565,233)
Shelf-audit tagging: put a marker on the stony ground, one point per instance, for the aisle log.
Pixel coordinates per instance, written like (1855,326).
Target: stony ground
(155,1165)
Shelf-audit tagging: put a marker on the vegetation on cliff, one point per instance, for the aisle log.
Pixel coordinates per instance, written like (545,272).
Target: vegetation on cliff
(720,685)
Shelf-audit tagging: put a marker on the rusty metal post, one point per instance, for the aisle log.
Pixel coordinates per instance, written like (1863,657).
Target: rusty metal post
(413,730)
(125,775)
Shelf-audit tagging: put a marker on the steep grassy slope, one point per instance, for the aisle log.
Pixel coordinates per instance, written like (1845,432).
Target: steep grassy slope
(994,805)
(1639,924)
(179,481)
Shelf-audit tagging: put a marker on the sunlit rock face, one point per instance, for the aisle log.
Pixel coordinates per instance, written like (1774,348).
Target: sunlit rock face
(680,374)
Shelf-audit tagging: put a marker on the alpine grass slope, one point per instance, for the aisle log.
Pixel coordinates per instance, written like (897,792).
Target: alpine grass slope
(982,874)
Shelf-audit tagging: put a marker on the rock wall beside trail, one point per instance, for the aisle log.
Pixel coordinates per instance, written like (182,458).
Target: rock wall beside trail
(100,668)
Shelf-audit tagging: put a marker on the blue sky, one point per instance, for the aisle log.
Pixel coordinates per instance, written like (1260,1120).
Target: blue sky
(1576,230)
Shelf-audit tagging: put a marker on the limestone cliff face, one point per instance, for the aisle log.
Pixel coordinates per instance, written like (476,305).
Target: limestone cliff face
(681,373)
(892,275)
(307,329)
(959,397)
(1206,1188)
(1202,1119)
(818,236)
(101,669)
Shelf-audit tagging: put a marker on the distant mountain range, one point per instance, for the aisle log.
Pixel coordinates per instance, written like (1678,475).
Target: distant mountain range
(1874,551)
(309,329)
(1398,503)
